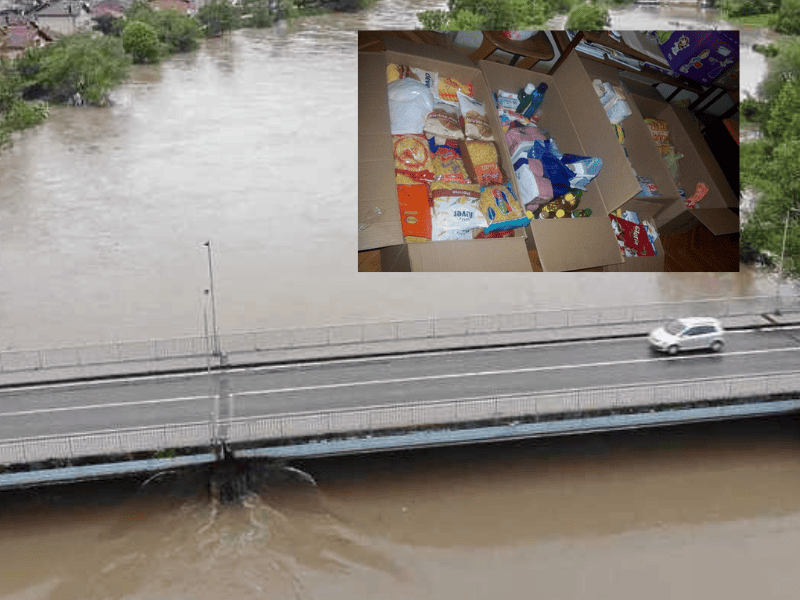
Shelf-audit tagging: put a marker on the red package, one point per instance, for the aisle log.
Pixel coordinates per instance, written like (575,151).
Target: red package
(632,238)
(415,211)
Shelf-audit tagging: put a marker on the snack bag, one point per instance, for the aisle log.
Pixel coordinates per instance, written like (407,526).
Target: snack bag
(443,120)
(476,125)
(412,157)
(501,209)
(415,210)
(482,162)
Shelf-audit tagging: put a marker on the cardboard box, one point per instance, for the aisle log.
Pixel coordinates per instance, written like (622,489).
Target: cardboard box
(642,153)
(376,176)
(571,113)
(718,210)
(700,55)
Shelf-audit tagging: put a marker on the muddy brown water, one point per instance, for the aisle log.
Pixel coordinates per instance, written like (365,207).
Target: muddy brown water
(709,510)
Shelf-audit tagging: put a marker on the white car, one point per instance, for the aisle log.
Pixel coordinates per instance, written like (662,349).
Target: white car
(688,334)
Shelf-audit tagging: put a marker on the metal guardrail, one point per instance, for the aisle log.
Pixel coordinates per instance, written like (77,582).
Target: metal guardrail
(369,420)
(377,332)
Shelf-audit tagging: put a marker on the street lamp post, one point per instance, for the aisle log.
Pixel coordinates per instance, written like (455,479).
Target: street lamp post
(780,266)
(213,302)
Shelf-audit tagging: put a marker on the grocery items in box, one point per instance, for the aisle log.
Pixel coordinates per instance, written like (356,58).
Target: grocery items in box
(561,207)
(530,98)
(482,162)
(613,100)
(415,210)
(455,209)
(410,102)
(412,157)
(444,120)
(631,237)
(476,124)
(501,208)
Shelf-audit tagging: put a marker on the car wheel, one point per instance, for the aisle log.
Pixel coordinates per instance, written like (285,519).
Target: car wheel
(673,350)
(716,346)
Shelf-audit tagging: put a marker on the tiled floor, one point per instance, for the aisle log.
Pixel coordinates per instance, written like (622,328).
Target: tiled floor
(696,250)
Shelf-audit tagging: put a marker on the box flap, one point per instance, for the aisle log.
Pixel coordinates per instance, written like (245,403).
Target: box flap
(377,190)
(719,221)
(570,244)
(501,254)
(616,181)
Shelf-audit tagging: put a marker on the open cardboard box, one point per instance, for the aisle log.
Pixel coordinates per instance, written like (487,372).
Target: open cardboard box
(577,122)
(716,210)
(376,177)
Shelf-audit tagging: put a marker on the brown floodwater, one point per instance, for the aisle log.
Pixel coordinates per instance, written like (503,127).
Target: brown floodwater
(708,511)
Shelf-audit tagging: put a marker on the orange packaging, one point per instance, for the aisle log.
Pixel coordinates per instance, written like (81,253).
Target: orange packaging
(415,210)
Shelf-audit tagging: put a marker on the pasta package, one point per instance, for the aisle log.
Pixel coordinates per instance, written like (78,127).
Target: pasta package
(448,166)
(501,209)
(659,130)
(455,209)
(449,88)
(476,124)
(482,162)
(412,157)
(443,120)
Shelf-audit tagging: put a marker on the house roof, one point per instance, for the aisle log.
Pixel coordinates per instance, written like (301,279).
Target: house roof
(60,9)
(114,8)
(179,5)
(19,36)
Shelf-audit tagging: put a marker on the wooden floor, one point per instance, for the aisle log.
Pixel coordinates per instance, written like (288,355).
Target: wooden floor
(695,250)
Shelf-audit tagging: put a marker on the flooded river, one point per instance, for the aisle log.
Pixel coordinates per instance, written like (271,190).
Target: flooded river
(250,142)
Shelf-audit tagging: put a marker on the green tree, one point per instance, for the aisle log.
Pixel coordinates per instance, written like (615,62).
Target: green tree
(785,67)
(783,121)
(82,66)
(588,16)
(140,40)
(217,17)
(487,14)
(789,17)
(109,25)
(180,33)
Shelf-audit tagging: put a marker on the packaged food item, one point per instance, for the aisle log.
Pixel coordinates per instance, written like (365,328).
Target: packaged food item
(410,102)
(476,125)
(501,209)
(480,234)
(443,120)
(415,210)
(455,208)
(430,79)
(449,88)
(482,162)
(412,157)
(508,100)
(395,72)
(449,166)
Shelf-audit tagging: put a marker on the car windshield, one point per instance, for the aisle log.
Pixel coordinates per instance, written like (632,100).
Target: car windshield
(673,327)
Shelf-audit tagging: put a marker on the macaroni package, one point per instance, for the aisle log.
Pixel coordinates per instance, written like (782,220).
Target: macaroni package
(412,157)
(501,209)
(449,88)
(448,166)
(482,162)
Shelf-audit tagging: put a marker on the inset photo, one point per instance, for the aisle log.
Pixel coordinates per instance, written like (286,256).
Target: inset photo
(548,151)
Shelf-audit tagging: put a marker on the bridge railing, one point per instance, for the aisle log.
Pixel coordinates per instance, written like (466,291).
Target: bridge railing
(373,420)
(377,332)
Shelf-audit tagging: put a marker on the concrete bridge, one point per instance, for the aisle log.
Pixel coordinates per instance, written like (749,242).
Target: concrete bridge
(71,414)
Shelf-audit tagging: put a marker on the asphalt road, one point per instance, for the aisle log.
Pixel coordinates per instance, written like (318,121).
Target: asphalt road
(134,402)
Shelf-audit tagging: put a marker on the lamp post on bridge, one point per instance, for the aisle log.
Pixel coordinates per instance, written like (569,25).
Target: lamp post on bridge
(216,350)
(780,266)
